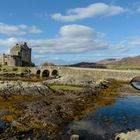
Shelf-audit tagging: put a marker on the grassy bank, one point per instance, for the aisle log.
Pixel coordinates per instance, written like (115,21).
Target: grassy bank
(65,88)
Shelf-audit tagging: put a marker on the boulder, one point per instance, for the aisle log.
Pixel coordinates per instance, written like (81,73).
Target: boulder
(74,137)
(132,135)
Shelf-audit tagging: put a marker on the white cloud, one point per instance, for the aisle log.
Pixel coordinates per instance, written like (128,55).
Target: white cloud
(74,43)
(11,30)
(43,16)
(93,10)
(136,7)
(72,31)
(71,39)
(18,30)
(8,42)
(128,44)
(34,30)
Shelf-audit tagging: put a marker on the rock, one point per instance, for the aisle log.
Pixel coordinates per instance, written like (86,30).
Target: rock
(133,135)
(15,124)
(23,88)
(74,137)
(70,80)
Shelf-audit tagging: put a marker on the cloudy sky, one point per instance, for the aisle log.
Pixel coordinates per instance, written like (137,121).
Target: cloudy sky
(71,31)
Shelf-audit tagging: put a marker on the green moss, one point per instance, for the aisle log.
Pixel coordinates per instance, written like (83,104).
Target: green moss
(65,87)
(13,69)
(9,118)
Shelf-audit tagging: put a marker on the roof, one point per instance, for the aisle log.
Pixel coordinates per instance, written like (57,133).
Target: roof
(18,47)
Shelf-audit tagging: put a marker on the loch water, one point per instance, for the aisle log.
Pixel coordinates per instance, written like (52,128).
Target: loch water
(105,122)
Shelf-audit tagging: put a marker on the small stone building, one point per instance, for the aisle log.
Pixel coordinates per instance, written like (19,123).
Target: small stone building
(20,55)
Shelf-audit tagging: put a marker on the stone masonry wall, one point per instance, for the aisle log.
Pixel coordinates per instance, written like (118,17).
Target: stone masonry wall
(96,74)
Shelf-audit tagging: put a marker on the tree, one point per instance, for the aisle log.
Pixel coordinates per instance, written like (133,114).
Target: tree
(47,64)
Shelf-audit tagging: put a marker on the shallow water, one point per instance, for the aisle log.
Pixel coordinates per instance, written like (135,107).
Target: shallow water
(136,85)
(122,116)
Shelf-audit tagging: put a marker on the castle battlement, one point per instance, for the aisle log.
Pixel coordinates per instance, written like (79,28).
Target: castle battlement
(20,55)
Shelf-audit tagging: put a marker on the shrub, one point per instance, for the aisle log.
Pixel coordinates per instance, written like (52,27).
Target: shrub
(15,69)
(4,70)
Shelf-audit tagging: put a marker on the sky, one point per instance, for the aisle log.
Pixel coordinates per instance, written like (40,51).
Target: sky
(71,31)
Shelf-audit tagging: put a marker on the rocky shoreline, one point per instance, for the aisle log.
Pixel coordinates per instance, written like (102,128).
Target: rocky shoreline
(22,88)
(35,111)
(42,88)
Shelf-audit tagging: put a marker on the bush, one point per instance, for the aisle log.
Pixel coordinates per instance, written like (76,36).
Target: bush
(4,70)
(15,69)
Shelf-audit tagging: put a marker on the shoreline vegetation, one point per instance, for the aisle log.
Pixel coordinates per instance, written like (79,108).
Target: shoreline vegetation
(39,115)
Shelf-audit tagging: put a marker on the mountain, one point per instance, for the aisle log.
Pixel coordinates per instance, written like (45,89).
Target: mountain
(124,63)
(107,61)
(87,65)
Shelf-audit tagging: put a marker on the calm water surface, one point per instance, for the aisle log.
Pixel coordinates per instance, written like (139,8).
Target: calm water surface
(124,115)
(136,85)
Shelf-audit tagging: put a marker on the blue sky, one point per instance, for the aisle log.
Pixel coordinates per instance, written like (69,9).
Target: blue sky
(71,31)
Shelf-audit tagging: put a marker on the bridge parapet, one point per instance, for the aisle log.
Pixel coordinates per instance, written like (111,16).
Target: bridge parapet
(96,74)
(44,71)
(83,73)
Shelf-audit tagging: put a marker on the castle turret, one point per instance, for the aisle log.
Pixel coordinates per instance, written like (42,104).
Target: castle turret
(22,51)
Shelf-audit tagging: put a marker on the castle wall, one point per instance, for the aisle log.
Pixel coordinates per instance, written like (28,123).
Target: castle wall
(15,52)
(9,60)
(0,60)
(26,55)
(20,55)
(22,51)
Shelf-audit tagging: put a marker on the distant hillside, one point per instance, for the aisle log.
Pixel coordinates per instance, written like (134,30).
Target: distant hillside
(87,65)
(106,61)
(124,63)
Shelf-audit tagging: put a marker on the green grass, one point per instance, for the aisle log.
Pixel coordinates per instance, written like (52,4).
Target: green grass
(9,69)
(65,87)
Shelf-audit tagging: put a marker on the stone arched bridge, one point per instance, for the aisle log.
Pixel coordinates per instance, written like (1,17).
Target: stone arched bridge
(46,71)
(84,73)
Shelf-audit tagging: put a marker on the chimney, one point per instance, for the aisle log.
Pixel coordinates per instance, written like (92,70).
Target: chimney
(25,43)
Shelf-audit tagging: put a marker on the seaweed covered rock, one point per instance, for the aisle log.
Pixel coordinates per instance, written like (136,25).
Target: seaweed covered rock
(22,88)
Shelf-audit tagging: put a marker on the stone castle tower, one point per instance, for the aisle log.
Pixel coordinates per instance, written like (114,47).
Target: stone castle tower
(20,55)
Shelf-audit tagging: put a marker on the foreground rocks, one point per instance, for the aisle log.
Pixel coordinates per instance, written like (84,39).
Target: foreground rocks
(42,88)
(23,88)
(31,113)
(70,80)
(132,135)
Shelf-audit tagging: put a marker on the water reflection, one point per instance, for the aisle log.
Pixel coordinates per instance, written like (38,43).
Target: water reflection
(124,115)
(135,82)
(136,85)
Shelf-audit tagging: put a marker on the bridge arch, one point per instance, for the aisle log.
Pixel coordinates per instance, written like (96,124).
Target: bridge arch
(38,72)
(45,73)
(54,73)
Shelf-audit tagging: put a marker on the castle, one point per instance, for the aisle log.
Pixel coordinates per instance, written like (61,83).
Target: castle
(20,55)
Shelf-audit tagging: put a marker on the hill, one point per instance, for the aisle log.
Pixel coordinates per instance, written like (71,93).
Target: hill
(87,65)
(124,63)
(106,61)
